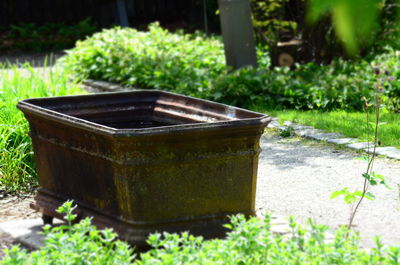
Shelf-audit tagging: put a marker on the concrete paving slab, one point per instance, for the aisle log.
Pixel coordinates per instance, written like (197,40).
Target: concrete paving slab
(308,132)
(394,156)
(324,136)
(283,128)
(273,124)
(297,126)
(26,232)
(360,146)
(342,140)
(383,150)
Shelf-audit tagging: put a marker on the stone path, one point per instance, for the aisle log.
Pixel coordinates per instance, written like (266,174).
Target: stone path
(296,178)
(335,138)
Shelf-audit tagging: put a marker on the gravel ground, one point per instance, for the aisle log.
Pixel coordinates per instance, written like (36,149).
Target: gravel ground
(296,178)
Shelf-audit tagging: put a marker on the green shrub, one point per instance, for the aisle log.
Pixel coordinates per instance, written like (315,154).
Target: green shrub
(81,243)
(270,21)
(340,85)
(249,242)
(154,59)
(194,65)
(252,242)
(17,170)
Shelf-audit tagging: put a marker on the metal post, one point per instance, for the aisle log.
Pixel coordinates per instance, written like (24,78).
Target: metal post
(237,31)
(121,14)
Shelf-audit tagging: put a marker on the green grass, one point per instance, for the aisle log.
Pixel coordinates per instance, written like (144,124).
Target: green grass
(351,124)
(17,170)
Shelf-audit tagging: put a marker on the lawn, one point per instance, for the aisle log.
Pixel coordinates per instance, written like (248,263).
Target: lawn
(350,124)
(17,169)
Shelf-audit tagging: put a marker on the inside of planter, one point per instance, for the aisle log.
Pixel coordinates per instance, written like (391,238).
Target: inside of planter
(142,109)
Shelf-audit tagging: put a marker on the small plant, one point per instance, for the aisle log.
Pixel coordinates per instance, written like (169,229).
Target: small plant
(287,132)
(371,178)
(80,243)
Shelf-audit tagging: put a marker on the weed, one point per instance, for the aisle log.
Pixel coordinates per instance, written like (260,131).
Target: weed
(355,198)
(81,243)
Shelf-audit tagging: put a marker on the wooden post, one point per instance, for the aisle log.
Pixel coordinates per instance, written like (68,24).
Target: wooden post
(237,31)
(121,14)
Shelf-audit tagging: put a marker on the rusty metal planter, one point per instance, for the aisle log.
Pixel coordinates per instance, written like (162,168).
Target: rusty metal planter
(145,161)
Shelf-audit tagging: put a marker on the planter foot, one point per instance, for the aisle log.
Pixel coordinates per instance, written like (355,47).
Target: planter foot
(47,219)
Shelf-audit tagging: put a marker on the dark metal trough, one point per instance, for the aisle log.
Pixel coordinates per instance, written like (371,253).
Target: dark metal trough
(145,161)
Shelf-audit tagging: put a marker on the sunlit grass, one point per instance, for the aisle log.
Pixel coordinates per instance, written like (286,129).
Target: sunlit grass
(17,170)
(351,124)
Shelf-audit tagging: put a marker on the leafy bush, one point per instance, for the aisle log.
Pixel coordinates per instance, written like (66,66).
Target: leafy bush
(194,65)
(252,242)
(249,242)
(81,243)
(309,86)
(17,171)
(270,22)
(156,59)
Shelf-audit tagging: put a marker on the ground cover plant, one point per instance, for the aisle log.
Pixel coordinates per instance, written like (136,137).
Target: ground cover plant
(17,170)
(250,241)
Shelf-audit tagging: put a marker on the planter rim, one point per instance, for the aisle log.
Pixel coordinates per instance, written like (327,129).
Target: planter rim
(29,107)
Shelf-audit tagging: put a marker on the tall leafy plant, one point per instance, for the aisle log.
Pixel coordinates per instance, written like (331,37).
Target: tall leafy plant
(353,20)
(371,178)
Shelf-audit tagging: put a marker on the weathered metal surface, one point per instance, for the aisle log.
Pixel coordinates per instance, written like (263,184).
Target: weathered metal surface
(146,161)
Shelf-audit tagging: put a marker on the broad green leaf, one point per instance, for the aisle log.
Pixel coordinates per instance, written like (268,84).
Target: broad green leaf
(342,21)
(366,176)
(350,198)
(378,176)
(358,193)
(337,193)
(369,196)
(354,20)
(363,158)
